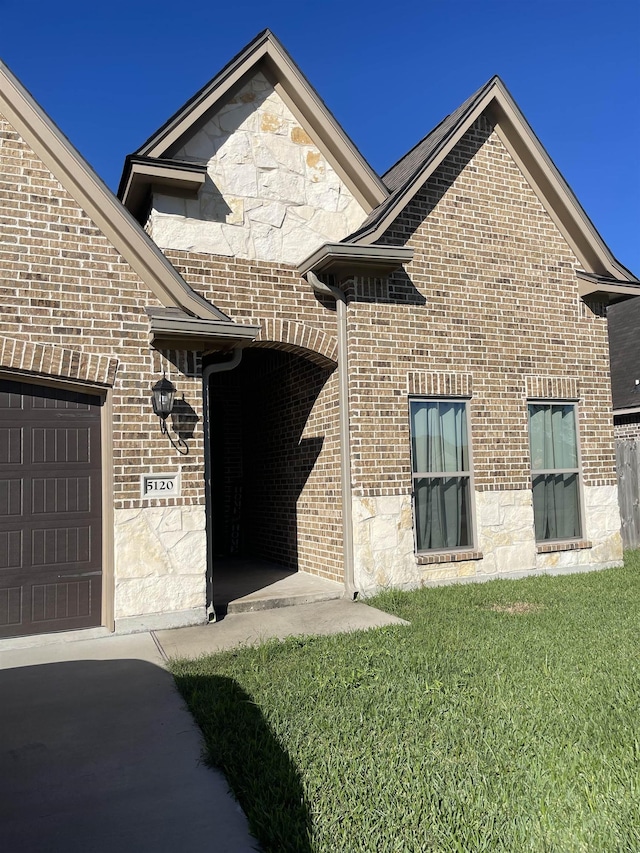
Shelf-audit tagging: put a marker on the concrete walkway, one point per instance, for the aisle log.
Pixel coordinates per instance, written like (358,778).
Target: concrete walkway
(98,751)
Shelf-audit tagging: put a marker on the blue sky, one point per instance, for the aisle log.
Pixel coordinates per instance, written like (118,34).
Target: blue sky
(110,73)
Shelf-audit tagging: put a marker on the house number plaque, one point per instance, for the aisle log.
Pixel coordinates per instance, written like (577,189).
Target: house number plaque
(159,485)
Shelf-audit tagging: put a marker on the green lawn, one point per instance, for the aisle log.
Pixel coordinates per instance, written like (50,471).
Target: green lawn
(505,718)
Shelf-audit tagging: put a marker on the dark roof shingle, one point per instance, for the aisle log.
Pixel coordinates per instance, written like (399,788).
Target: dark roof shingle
(402,174)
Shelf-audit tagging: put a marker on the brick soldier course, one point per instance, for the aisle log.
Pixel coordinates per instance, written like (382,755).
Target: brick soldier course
(467,274)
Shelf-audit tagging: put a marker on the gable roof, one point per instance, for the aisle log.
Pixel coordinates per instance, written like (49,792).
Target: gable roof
(410,173)
(624,348)
(265,53)
(410,163)
(98,202)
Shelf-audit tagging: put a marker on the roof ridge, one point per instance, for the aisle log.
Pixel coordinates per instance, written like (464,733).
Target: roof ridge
(456,114)
(413,147)
(263,35)
(428,147)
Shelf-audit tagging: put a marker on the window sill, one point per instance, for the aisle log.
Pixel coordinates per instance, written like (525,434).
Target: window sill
(573,545)
(447,557)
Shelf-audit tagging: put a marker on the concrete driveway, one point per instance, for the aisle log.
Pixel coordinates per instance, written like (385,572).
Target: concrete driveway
(98,753)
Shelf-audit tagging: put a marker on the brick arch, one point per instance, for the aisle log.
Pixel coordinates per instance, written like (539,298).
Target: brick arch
(288,336)
(58,362)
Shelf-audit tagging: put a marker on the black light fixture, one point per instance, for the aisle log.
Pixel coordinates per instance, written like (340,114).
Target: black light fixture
(163,394)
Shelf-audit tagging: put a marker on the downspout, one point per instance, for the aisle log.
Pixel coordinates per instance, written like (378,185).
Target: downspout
(209,370)
(350,591)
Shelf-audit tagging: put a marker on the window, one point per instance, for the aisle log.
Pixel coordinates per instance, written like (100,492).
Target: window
(555,471)
(441,474)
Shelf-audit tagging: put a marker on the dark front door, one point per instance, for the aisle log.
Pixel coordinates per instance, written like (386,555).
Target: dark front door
(50,510)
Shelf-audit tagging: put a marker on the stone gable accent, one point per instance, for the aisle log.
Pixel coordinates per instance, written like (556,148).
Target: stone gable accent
(270,193)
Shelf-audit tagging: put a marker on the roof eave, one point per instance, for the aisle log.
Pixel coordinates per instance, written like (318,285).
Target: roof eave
(179,330)
(549,184)
(142,174)
(344,260)
(605,289)
(405,194)
(629,410)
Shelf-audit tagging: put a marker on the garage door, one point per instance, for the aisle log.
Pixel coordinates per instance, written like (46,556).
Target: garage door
(50,510)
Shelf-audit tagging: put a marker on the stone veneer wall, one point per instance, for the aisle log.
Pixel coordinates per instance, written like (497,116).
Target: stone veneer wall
(270,193)
(160,562)
(65,290)
(488,310)
(385,552)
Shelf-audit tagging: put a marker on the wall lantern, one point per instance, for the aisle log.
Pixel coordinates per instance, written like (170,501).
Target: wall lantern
(164,392)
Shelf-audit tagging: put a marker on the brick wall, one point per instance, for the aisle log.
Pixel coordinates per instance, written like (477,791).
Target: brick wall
(294,320)
(65,291)
(488,308)
(259,292)
(490,295)
(276,462)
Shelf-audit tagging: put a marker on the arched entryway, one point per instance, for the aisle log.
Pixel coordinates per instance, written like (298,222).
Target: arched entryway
(274,472)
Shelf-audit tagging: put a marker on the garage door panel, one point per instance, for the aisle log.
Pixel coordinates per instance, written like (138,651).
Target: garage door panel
(10,446)
(57,495)
(49,398)
(11,608)
(10,549)
(55,602)
(62,546)
(60,444)
(50,510)
(10,497)
(10,400)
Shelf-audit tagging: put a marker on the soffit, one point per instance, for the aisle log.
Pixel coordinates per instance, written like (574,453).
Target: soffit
(344,261)
(174,329)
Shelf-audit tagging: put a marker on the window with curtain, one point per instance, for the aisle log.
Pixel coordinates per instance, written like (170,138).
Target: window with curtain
(441,474)
(555,472)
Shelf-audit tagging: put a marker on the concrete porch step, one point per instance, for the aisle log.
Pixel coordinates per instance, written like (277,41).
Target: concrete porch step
(296,588)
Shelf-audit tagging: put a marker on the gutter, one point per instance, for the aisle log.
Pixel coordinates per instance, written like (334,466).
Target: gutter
(195,332)
(350,591)
(631,410)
